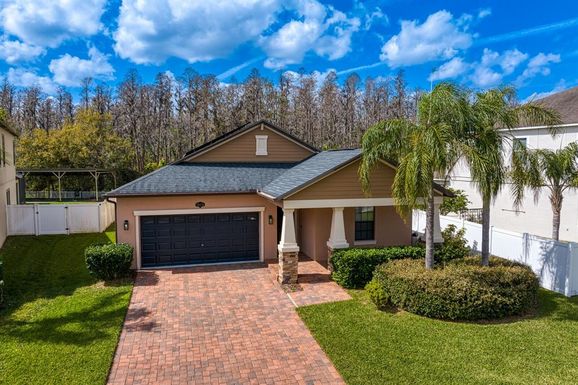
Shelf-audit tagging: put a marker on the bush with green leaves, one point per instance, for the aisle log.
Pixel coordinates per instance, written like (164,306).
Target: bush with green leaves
(454,246)
(455,204)
(109,261)
(460,290)
(353,267)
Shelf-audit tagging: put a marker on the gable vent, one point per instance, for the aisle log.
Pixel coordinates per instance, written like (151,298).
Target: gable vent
(261,145)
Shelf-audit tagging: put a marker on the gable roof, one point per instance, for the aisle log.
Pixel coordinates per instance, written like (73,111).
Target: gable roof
(200,178)
(241,130)
(565,102)
(309,171)
(275,180)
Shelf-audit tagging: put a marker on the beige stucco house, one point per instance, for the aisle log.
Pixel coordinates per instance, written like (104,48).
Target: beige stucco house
(258,193)
(8,183)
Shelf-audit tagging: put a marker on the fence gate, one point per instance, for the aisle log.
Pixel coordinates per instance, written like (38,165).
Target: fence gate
(52,219)
(42,219)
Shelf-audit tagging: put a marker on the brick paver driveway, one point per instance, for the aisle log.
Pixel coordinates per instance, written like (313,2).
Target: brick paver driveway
(216,325)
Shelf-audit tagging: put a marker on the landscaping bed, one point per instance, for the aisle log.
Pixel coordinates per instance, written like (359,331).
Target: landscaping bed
(459,290)
(60,325)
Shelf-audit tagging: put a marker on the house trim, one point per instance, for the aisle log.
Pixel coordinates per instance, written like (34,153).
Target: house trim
(329,203)
(139,213)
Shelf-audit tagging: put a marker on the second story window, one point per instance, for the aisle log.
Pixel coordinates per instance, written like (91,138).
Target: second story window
(522,141)
(261,145)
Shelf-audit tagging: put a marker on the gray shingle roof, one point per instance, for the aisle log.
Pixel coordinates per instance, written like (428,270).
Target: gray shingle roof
(194,178)
(309,170)
(565,102)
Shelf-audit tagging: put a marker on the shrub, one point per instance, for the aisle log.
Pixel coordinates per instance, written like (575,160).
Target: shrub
(454,246)
(353,268)
(461,290)
(109,261)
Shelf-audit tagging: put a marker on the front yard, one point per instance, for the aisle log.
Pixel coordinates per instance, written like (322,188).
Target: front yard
(60,326)
(368,346)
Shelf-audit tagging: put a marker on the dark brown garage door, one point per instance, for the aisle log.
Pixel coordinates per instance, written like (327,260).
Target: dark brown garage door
(168,240)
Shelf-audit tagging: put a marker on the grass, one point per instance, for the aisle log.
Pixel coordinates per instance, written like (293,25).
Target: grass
(60,326)
(372,347)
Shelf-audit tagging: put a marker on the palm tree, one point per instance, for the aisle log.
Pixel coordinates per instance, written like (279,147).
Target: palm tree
(555,170)
(422,149)
(493,115)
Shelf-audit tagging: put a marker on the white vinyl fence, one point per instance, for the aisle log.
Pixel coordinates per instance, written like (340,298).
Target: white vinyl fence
(40,219)
(53,195)
(555,263)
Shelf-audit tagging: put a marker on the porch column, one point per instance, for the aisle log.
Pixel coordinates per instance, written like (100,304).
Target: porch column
(337,238)
(437,227)
(288,250)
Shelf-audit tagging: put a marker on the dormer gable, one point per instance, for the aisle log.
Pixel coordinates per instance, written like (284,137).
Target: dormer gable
(256,142)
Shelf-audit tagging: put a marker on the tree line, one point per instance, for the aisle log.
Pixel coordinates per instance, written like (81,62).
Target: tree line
(164,119)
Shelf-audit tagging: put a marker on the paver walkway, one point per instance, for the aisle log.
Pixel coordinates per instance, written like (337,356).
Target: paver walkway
(229,324)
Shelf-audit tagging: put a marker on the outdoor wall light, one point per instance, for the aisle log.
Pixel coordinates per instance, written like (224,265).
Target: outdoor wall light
(125,225)
(270,219)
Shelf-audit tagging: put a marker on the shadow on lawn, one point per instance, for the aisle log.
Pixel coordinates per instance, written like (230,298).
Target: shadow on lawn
(80,327)
(46,266)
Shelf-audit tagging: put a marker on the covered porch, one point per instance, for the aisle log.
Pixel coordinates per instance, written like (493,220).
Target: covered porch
(314,229)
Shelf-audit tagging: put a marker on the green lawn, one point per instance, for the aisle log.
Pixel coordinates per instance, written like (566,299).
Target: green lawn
(60,326)
(372,347)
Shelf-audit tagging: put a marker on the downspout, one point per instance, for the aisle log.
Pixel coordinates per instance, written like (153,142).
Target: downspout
(115,219)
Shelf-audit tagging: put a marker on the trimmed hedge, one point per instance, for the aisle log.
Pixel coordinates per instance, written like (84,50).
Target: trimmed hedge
(461,290)
(353,268)
(109,261)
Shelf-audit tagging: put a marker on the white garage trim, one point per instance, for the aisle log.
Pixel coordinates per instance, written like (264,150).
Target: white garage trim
(141,213)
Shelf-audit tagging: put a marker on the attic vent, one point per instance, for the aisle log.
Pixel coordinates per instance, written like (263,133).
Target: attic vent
(261,144)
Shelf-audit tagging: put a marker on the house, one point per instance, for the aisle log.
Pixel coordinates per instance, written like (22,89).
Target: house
(257,193)
(533,217)
(8,182)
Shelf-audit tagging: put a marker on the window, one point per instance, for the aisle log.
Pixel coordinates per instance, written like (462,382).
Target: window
(364,223)
(522,141)
(8,197)
(261,141)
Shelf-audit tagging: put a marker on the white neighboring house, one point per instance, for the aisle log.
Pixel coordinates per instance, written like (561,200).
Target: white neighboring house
(534,218)
(8,182)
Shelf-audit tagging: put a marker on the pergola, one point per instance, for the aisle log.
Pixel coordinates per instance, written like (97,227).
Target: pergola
(59,173)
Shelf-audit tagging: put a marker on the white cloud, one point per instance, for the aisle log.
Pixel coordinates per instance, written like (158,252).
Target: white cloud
(70,70)
(560,86)
(318,28)
(450,70)
(538,65)
(13,51)
(25,78)
(485,12)
(494,66)
(233,70)
(440,37)
(48,23)
(150,31)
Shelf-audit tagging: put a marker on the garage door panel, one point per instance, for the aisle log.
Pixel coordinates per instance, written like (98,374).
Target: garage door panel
(200,238)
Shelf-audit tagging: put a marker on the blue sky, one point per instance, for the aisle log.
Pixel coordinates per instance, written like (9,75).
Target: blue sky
(530,44)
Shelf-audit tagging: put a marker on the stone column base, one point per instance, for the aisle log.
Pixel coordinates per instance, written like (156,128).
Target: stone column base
(288,267)
(329,261)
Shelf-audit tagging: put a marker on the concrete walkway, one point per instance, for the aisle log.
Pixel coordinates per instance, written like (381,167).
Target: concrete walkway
(229,324)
